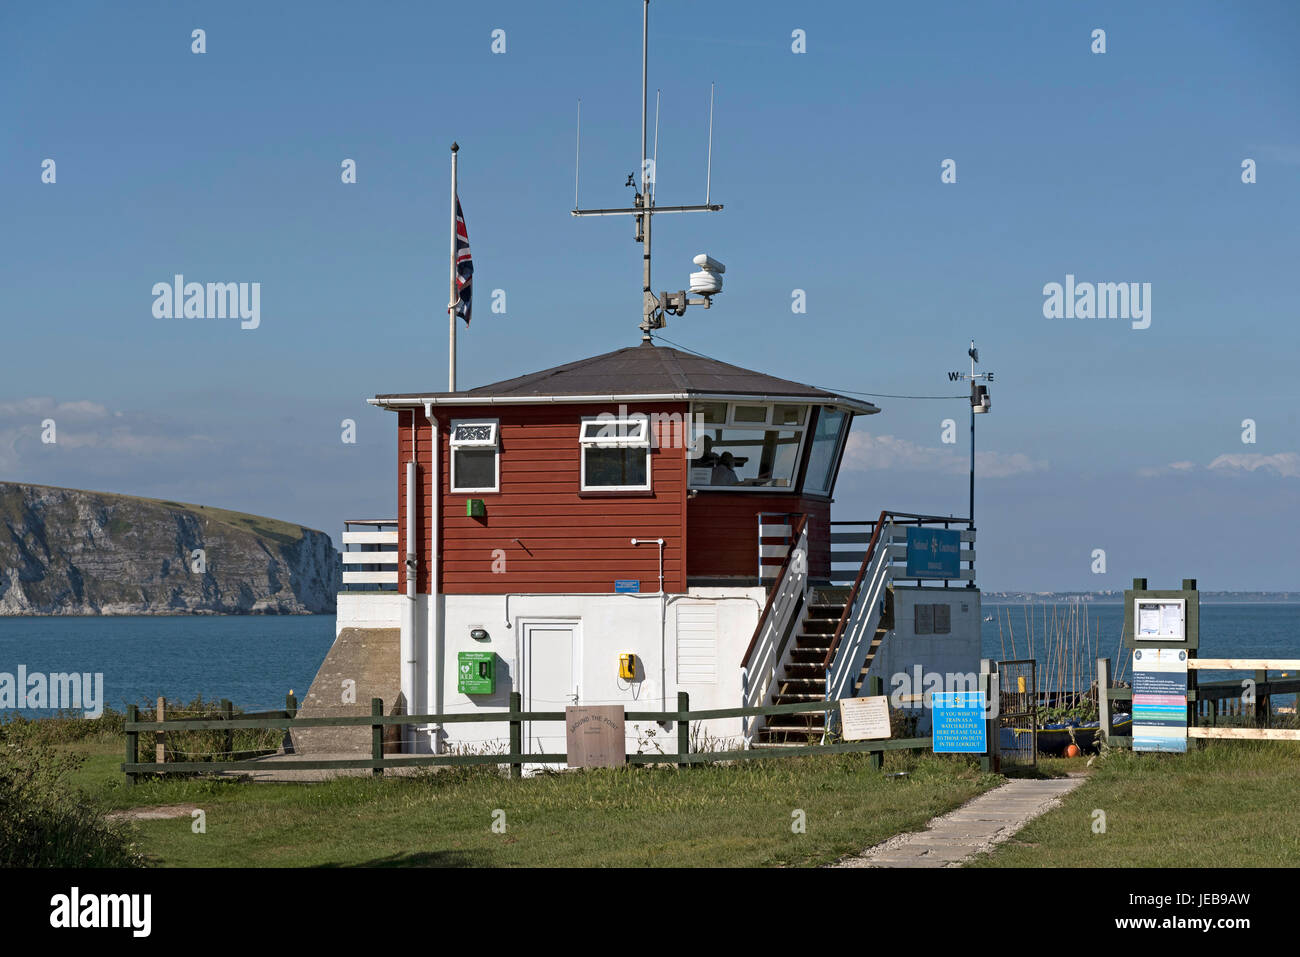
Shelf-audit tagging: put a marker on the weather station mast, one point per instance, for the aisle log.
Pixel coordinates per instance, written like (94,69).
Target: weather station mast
(706,283)
(979,403)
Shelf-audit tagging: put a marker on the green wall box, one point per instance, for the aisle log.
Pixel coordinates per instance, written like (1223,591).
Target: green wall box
(474,508)
(476,672)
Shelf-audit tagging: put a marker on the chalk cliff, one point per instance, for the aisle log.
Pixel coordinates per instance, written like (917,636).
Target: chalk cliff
(71,552)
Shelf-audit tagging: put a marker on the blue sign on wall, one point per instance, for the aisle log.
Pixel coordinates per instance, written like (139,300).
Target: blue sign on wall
(626,585)
(959,726)
(933,553)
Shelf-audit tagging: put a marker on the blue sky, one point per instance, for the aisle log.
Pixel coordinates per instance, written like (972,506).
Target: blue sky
(1123,166)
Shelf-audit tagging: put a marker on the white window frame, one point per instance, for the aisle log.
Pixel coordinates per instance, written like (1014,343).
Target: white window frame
(637,423)
(493,443)
(730,422)
(838,452)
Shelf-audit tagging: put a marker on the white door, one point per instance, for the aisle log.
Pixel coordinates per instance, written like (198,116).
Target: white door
(552,666)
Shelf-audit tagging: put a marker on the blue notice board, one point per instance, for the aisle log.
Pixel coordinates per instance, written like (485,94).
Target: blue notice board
(625,585)
(959,726)
(933,553)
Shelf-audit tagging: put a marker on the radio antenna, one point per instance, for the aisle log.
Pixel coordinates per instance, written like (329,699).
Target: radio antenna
(706,283)
(708,173)
(654,164)
(577,155)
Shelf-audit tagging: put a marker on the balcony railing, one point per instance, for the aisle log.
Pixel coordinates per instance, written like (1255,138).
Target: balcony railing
(370,555)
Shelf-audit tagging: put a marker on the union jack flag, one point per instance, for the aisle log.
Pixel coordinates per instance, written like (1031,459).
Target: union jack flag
(464,267)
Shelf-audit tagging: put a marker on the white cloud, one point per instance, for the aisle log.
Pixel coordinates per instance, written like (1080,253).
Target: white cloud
(867,452)
(82,425)
(1284,464)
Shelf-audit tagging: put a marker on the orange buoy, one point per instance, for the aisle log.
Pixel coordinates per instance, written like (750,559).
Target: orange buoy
(1072,751)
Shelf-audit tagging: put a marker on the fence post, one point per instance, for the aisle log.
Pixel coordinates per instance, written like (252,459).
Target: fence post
(1103,700)
(1261,699)
(160,736)
(228,713)
(991,760)
(377,735)
(683,727)
(516,732)
(132,743)
(875,688)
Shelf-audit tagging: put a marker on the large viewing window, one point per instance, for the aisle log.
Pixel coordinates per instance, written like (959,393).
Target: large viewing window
(475,465)
(615,454)
(746,445)
(826,439)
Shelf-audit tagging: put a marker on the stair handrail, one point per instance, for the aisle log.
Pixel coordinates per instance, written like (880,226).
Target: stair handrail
(795,532)
(784,602)
(853,592)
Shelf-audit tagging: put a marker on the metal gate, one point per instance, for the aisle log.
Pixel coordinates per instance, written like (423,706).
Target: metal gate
(1018,712)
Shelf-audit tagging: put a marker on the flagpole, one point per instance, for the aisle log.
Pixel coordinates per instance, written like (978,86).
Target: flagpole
(451,298)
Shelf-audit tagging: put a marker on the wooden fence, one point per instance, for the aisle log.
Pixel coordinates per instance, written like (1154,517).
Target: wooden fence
(1217,699)
(516,757)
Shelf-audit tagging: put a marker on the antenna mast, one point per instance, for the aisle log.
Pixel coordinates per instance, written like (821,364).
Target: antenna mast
(643,209)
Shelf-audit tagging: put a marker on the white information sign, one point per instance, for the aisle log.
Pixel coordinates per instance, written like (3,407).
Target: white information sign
(865,719)
(1160,619)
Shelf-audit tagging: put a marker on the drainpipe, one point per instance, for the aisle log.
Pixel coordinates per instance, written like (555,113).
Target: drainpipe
(408,607)
(434,644)
(663,616)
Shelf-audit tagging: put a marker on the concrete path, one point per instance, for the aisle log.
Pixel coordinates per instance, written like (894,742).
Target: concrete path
(973,828)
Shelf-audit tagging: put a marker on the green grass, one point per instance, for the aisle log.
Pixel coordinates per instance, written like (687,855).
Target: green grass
(736,815)
(1231,804)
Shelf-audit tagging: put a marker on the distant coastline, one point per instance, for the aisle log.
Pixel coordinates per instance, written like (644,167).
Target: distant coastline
(1116,597)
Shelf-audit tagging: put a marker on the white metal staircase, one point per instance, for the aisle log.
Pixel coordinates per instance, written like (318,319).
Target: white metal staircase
(836,632)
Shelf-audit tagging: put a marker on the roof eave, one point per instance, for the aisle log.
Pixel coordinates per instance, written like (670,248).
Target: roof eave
(394,402)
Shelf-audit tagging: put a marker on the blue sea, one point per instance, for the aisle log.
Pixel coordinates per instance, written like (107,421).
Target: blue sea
(255,660)
(1228,630)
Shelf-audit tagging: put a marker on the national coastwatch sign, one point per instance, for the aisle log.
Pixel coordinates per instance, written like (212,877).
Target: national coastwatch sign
(933,553)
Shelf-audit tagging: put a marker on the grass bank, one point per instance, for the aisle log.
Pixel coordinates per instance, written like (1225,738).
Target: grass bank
(1231,804)
(736,815)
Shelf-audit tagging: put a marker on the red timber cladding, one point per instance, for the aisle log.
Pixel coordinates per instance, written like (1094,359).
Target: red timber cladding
(567,542)
(723,532)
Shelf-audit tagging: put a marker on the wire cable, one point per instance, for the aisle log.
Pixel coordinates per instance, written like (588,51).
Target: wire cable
(873,395)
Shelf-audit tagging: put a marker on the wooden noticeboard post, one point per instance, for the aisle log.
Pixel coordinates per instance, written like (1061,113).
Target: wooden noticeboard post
(594,736)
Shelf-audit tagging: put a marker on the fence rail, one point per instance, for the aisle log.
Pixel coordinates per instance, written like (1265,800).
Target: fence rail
(516,758)
(1216,699)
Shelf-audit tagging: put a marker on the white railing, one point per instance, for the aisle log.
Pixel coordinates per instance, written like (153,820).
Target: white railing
(370,547)
(769,646)
(860,626)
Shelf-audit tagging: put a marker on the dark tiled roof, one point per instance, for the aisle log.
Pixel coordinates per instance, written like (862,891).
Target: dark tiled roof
(641,370)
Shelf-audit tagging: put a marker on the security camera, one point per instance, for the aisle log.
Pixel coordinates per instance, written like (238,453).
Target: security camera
(708,281)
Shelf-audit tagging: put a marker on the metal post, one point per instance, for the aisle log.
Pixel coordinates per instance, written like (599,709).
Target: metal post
(452,297)
(875,688)
(683,727)
(972,458)
(377,735)
(516,732)
(1103,699)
